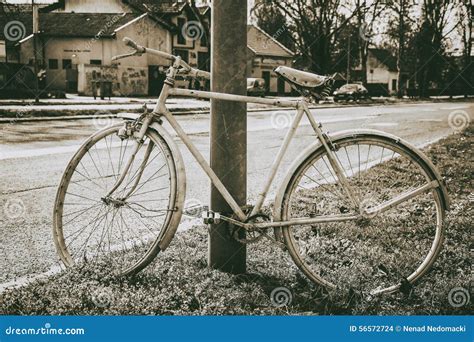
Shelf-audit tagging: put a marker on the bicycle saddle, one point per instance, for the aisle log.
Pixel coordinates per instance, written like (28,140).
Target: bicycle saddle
(307,83)
(301,78)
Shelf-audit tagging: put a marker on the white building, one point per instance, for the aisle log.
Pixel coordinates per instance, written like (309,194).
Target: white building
(382,70)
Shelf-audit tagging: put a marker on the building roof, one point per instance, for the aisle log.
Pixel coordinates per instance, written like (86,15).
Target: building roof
(83,24)
(261,43)
(158,6)
(162,10)
(385,57)
(68,24)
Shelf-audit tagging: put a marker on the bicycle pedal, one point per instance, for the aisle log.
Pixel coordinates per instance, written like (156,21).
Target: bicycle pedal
(211,217)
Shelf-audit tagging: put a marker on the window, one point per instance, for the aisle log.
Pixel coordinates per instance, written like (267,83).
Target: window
(67,64)
(203,40)
(204,61)
(181,37)
(394,84)
(53,64)
(184,54)
(96,61)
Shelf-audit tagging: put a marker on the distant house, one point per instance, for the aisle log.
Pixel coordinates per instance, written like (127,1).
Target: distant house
(264,54)
(78,38)
(75,58)
(382,72)
(189,29)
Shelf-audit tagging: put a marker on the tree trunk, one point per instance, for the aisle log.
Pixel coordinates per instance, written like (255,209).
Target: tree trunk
(363,60)
(401,41)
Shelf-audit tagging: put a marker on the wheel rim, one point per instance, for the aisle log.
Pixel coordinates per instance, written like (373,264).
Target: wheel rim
(380,253)
(120,234)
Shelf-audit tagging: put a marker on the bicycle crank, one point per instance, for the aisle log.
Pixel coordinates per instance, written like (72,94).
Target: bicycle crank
(251,235)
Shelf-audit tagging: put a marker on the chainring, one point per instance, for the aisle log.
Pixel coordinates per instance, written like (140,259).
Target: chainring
(251,235)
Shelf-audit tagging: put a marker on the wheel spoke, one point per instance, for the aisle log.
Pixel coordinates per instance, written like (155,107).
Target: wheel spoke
(405,197)
(106,229)
(374,249)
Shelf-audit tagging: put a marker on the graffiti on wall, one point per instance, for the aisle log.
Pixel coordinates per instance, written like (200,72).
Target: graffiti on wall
(125,81)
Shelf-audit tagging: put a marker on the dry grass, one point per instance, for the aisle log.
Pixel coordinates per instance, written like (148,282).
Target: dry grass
(179,281)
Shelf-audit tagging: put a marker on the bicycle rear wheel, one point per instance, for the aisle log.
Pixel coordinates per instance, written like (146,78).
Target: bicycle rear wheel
(379,252)
(123,234)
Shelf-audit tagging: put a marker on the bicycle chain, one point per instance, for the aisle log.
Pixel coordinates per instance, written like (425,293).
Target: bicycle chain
(234,232)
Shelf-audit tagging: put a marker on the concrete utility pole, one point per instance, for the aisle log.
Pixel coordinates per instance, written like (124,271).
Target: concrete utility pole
(228,126)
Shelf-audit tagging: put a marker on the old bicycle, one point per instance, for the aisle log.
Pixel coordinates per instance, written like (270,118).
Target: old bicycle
(359,208)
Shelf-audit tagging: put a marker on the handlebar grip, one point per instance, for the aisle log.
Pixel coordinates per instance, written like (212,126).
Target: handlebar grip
(204,74)
(134,45)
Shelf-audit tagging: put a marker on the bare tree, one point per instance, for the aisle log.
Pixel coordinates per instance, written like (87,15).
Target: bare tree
(436,16)
(465,28)
(315,25)
(366,15)
(401,25)
(275,23)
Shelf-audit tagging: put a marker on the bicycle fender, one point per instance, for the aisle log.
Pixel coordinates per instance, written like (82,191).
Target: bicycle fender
(166,235)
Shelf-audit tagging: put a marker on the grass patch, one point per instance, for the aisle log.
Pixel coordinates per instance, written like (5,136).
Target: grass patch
(179,282)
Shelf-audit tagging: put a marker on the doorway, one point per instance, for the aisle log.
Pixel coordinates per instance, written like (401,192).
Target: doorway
(281,86)
(266,77)
(156,79)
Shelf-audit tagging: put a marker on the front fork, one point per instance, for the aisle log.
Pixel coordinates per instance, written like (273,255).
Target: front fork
(148,118)
(138,143)
(333,160)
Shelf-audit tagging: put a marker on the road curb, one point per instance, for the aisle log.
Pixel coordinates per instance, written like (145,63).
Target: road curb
(13,120)
(82,117)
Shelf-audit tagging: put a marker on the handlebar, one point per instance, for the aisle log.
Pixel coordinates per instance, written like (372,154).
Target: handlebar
(133,45)
(139,50)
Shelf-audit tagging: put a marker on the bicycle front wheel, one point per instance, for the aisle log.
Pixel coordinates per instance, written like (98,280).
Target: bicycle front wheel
(124,230)
(379,252)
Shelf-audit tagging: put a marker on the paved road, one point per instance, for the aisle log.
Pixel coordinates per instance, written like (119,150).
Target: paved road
(33,156)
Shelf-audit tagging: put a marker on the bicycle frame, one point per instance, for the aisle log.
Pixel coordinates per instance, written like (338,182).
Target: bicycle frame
(301,107)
